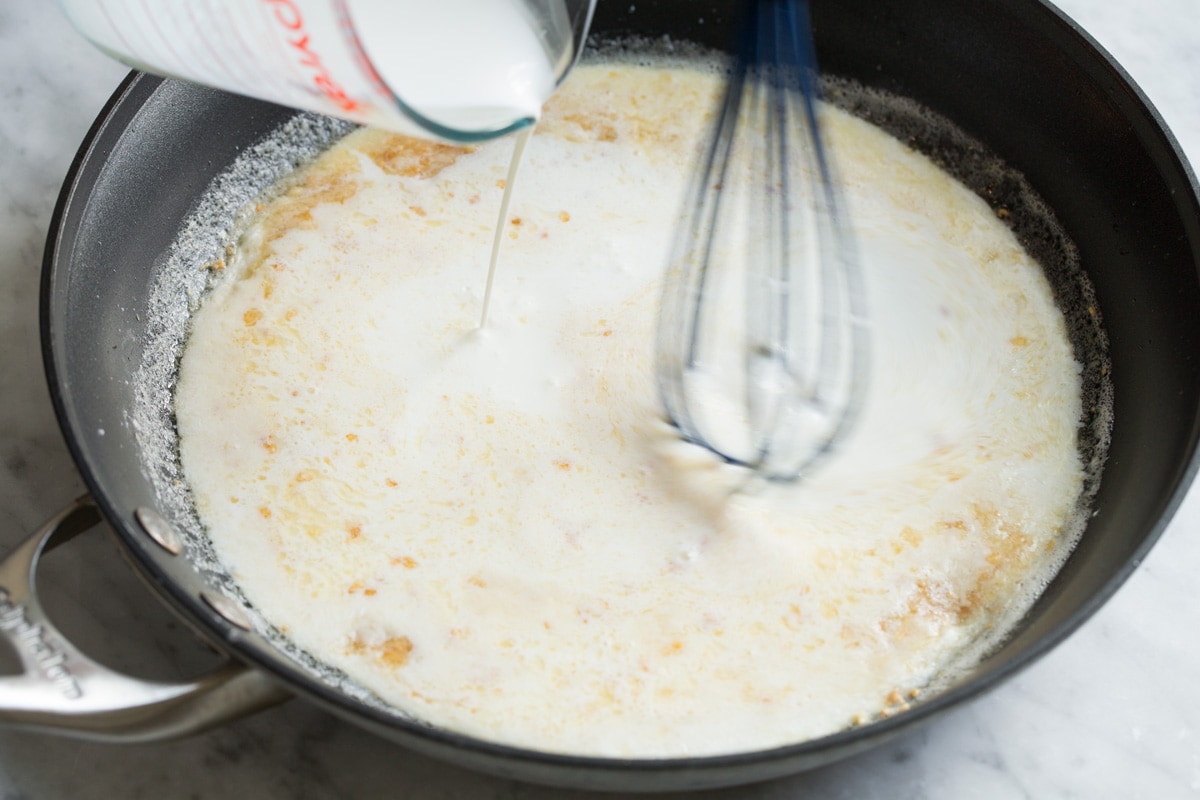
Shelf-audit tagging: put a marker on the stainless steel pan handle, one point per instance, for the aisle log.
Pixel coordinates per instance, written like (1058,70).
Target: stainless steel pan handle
(63,691)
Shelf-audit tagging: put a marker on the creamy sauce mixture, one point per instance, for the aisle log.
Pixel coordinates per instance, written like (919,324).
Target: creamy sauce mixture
(492,531)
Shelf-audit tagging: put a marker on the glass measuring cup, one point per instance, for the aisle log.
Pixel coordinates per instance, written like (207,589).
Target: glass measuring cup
(455,70)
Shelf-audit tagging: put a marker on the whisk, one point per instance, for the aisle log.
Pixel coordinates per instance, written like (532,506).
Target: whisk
(762,340)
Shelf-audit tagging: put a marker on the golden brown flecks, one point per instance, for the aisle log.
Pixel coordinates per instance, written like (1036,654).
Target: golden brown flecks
(264,512)
(420,212)
(894,698)
(351,437)
(304,476)
(370,592)
(269,444)
(234,500)
(215,266)
(850,637)
(475,580)
(914,693)
(251,317)
(354,531)
(1003,213)
(408,157)
(563,465)
(563,216)
(275,265)
(332,181)
(390,482)
(599,126)
(985,515)
(355,587)
(290,315)
(405,561)
(1018,341)
(516,221)
(674,648)
(268,290)
(500,184)
(395,651)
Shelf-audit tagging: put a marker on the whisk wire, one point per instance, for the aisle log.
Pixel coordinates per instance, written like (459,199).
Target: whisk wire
(765,188)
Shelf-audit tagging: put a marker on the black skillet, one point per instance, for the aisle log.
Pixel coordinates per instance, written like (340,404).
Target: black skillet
(1014,74)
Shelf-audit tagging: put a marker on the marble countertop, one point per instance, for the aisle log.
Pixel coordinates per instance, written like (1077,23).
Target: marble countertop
(1113,712)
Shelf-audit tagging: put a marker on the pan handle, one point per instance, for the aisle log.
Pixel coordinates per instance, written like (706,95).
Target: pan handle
(63,691)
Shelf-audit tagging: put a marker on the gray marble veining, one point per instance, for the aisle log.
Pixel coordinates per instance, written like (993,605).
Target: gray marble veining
(1114,712)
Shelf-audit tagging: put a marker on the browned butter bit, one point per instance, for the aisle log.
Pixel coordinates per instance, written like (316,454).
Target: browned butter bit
(405,156)
(395,651)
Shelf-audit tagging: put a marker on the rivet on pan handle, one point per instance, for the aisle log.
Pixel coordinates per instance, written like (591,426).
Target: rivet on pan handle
(63,691)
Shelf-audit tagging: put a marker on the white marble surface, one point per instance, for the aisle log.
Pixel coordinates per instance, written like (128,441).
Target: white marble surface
(1114,712)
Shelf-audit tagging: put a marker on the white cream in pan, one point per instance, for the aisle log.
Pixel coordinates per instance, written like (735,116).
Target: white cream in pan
(484,530)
